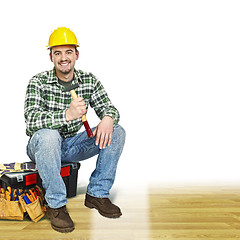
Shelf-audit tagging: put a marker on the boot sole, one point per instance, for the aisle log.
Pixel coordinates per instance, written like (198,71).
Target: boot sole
(58,229)
(63,230)
(108,215)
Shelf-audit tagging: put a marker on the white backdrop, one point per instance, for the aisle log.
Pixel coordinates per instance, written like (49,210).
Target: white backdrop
(170,67)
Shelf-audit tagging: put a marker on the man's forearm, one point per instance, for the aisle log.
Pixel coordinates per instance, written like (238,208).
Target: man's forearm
(36,120)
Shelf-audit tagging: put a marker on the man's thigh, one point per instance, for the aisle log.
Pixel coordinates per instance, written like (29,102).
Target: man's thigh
(79,148)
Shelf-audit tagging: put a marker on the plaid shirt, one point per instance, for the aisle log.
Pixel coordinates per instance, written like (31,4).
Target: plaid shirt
(46,102)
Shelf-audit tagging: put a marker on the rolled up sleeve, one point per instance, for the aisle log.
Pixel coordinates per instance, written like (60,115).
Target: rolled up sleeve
(101,103)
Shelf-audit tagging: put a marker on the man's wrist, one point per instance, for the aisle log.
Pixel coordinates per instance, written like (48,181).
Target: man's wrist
(109,118)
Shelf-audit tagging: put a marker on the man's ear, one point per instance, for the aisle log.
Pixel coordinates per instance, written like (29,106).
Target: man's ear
(77,54)
(50,55)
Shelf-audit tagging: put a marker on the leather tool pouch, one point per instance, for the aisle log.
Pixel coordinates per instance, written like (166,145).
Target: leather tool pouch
(34,209)
(16,209)
(10,210)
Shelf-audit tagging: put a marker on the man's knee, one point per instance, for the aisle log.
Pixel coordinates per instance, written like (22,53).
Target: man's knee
(47,137)
(119,133)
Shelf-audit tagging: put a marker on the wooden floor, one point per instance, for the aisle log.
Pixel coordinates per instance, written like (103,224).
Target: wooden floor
(182,213)
(195,213)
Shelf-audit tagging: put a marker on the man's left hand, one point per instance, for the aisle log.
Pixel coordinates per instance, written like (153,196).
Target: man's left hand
(103,132)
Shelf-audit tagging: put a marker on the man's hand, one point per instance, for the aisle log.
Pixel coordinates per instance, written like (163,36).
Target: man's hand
(103,132)
(76,110)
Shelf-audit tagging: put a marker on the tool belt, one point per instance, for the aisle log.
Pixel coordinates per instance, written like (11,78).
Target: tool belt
(16,167)
(15,203)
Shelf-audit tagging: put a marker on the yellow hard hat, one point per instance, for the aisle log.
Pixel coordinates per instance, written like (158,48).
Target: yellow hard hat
(62,36)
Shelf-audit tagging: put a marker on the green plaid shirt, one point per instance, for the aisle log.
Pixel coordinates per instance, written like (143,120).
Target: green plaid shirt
(46,102)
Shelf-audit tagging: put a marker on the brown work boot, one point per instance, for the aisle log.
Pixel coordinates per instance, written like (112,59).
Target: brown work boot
(60,219)
(104,206)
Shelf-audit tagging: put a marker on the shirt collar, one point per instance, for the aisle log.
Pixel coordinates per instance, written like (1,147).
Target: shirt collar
(53,77)
(77,76)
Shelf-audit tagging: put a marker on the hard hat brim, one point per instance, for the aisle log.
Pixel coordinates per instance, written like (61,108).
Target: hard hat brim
(49,47)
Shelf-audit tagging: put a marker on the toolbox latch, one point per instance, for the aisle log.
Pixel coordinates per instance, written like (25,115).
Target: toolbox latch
(19,178)
(74,166)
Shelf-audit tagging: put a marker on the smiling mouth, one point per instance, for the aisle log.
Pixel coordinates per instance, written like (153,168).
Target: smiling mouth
(64,64)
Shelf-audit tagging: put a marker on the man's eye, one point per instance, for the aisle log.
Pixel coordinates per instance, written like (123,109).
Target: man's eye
(56,53)
(70,52)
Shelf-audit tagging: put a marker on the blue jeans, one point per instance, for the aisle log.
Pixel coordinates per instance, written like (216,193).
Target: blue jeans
(48,149)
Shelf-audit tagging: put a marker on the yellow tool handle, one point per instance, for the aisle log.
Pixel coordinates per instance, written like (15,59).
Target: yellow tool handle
(9,190)
(74,96)
(83,118)
(8,196)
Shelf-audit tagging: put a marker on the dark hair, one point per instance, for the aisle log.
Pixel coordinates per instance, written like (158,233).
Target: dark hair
(52,47)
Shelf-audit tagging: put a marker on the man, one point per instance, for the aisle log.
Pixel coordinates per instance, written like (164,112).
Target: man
(53,120)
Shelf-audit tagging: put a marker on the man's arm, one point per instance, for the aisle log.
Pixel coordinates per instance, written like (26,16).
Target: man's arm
(36,117)
(108,114)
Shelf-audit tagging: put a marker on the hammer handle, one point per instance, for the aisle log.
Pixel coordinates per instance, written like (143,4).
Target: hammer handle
(83,118)
(74,96)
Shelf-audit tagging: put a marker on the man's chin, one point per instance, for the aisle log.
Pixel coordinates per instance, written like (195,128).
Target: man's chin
(65,71)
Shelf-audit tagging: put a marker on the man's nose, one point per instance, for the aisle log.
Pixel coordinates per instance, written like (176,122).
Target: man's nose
(63,57)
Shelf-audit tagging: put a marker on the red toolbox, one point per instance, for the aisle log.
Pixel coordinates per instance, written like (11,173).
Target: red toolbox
(69,173)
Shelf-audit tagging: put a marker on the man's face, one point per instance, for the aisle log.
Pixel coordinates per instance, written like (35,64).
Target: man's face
(64,58)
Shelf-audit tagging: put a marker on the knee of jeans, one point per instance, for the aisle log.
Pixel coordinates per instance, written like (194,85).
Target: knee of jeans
(47,137)
(119,133)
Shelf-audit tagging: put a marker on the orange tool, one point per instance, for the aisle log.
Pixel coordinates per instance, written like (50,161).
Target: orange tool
(8,193)
(8,196)
(2,193)
(32,194)
(29,197)
(9,190)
